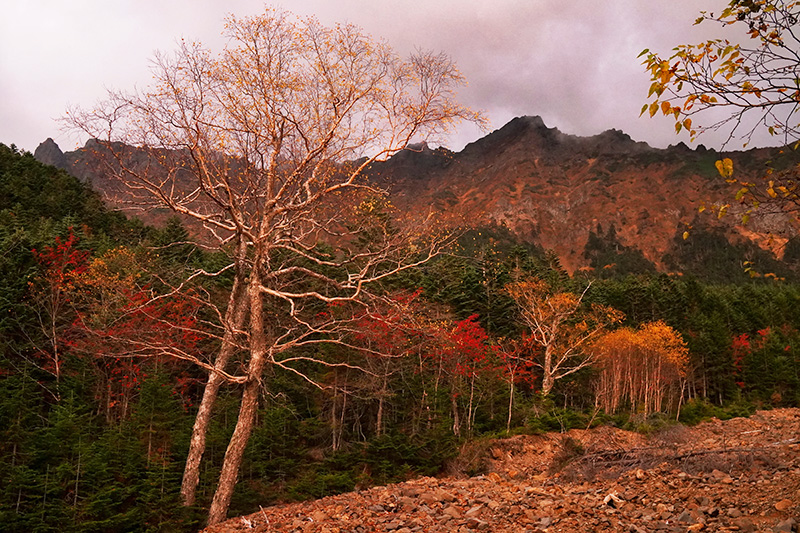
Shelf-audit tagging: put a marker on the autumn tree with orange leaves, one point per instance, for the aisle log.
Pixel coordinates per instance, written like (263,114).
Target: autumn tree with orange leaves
(738,88)
(559,327)
(645,367)
(265,144)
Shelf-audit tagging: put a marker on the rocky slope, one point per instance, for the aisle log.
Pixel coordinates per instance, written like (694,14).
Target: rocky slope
(545,186)
(552,188)
(739,475)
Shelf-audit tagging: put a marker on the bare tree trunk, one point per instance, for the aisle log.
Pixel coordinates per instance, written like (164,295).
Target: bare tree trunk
(341,419)
(197,445)
(471,399)
(56,356)
(233,455)
(510,402)
(547,371)
(248,409)
(456,419)
(680,398)
(381,402)
(234,319)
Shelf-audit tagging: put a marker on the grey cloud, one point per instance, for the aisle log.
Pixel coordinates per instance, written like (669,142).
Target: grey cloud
(573,63)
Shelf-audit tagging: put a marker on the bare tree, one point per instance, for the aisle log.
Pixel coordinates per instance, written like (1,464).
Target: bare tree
(266,145)
(739,89)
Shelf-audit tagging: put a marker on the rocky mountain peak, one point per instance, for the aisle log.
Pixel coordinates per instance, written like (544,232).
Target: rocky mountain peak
(537,138)
(49,153)
(528,130)
(614,142)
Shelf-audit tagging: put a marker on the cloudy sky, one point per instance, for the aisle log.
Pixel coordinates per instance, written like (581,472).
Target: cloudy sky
(572,62)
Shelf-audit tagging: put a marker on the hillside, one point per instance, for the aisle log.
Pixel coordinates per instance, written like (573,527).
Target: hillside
(742,474)
(553,189)
(65,467)
(547,188)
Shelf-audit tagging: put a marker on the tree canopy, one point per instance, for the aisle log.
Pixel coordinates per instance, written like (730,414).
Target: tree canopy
(265,144)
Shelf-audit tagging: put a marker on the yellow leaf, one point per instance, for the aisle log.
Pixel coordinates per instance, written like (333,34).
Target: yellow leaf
(771,190)
(653,108)
(665,108)
(685,235)
(725,167)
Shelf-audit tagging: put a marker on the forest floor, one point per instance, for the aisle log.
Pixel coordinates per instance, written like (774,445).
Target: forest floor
(741,474)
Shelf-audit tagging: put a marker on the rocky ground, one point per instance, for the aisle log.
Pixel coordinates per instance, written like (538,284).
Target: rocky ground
(737,475)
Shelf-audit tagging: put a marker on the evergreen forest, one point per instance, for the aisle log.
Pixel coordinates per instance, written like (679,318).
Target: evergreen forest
(491,339)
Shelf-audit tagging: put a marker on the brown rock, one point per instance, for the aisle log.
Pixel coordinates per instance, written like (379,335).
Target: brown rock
(429,498)
(474,512)
(745,525)
(786,526)
(783,505)
(495,477)
(445,496)
(452,511)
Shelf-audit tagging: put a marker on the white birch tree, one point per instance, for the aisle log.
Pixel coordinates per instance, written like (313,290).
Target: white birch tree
(265,145)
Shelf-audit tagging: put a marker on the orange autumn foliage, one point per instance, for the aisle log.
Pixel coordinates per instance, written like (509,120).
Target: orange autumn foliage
(645,367)
(560,327)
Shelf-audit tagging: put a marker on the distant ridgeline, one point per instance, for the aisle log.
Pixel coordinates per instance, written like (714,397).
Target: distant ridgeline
(605,205)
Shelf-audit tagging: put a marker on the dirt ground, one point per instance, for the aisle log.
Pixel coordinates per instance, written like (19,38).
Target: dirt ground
(736,475)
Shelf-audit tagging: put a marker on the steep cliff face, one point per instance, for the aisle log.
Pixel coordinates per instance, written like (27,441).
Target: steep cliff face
(543,185)
(49,153)
(553,188)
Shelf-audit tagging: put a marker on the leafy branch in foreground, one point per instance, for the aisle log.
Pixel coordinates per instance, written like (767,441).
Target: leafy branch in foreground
(757,79)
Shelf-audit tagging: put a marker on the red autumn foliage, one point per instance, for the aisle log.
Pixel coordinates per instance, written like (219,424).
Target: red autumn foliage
(741,348)
(63,262)
(466,348)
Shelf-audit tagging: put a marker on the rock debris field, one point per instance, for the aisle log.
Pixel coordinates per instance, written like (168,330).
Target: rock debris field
(736,475)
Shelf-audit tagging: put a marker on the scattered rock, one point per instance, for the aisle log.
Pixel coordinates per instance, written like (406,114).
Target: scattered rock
(786,526)
(613,500)
(734,513)
(672,488)
(452,512)
(784,505)
(745,525)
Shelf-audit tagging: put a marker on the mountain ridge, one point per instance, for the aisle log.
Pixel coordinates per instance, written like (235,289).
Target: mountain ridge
(554,189)
(550,188)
